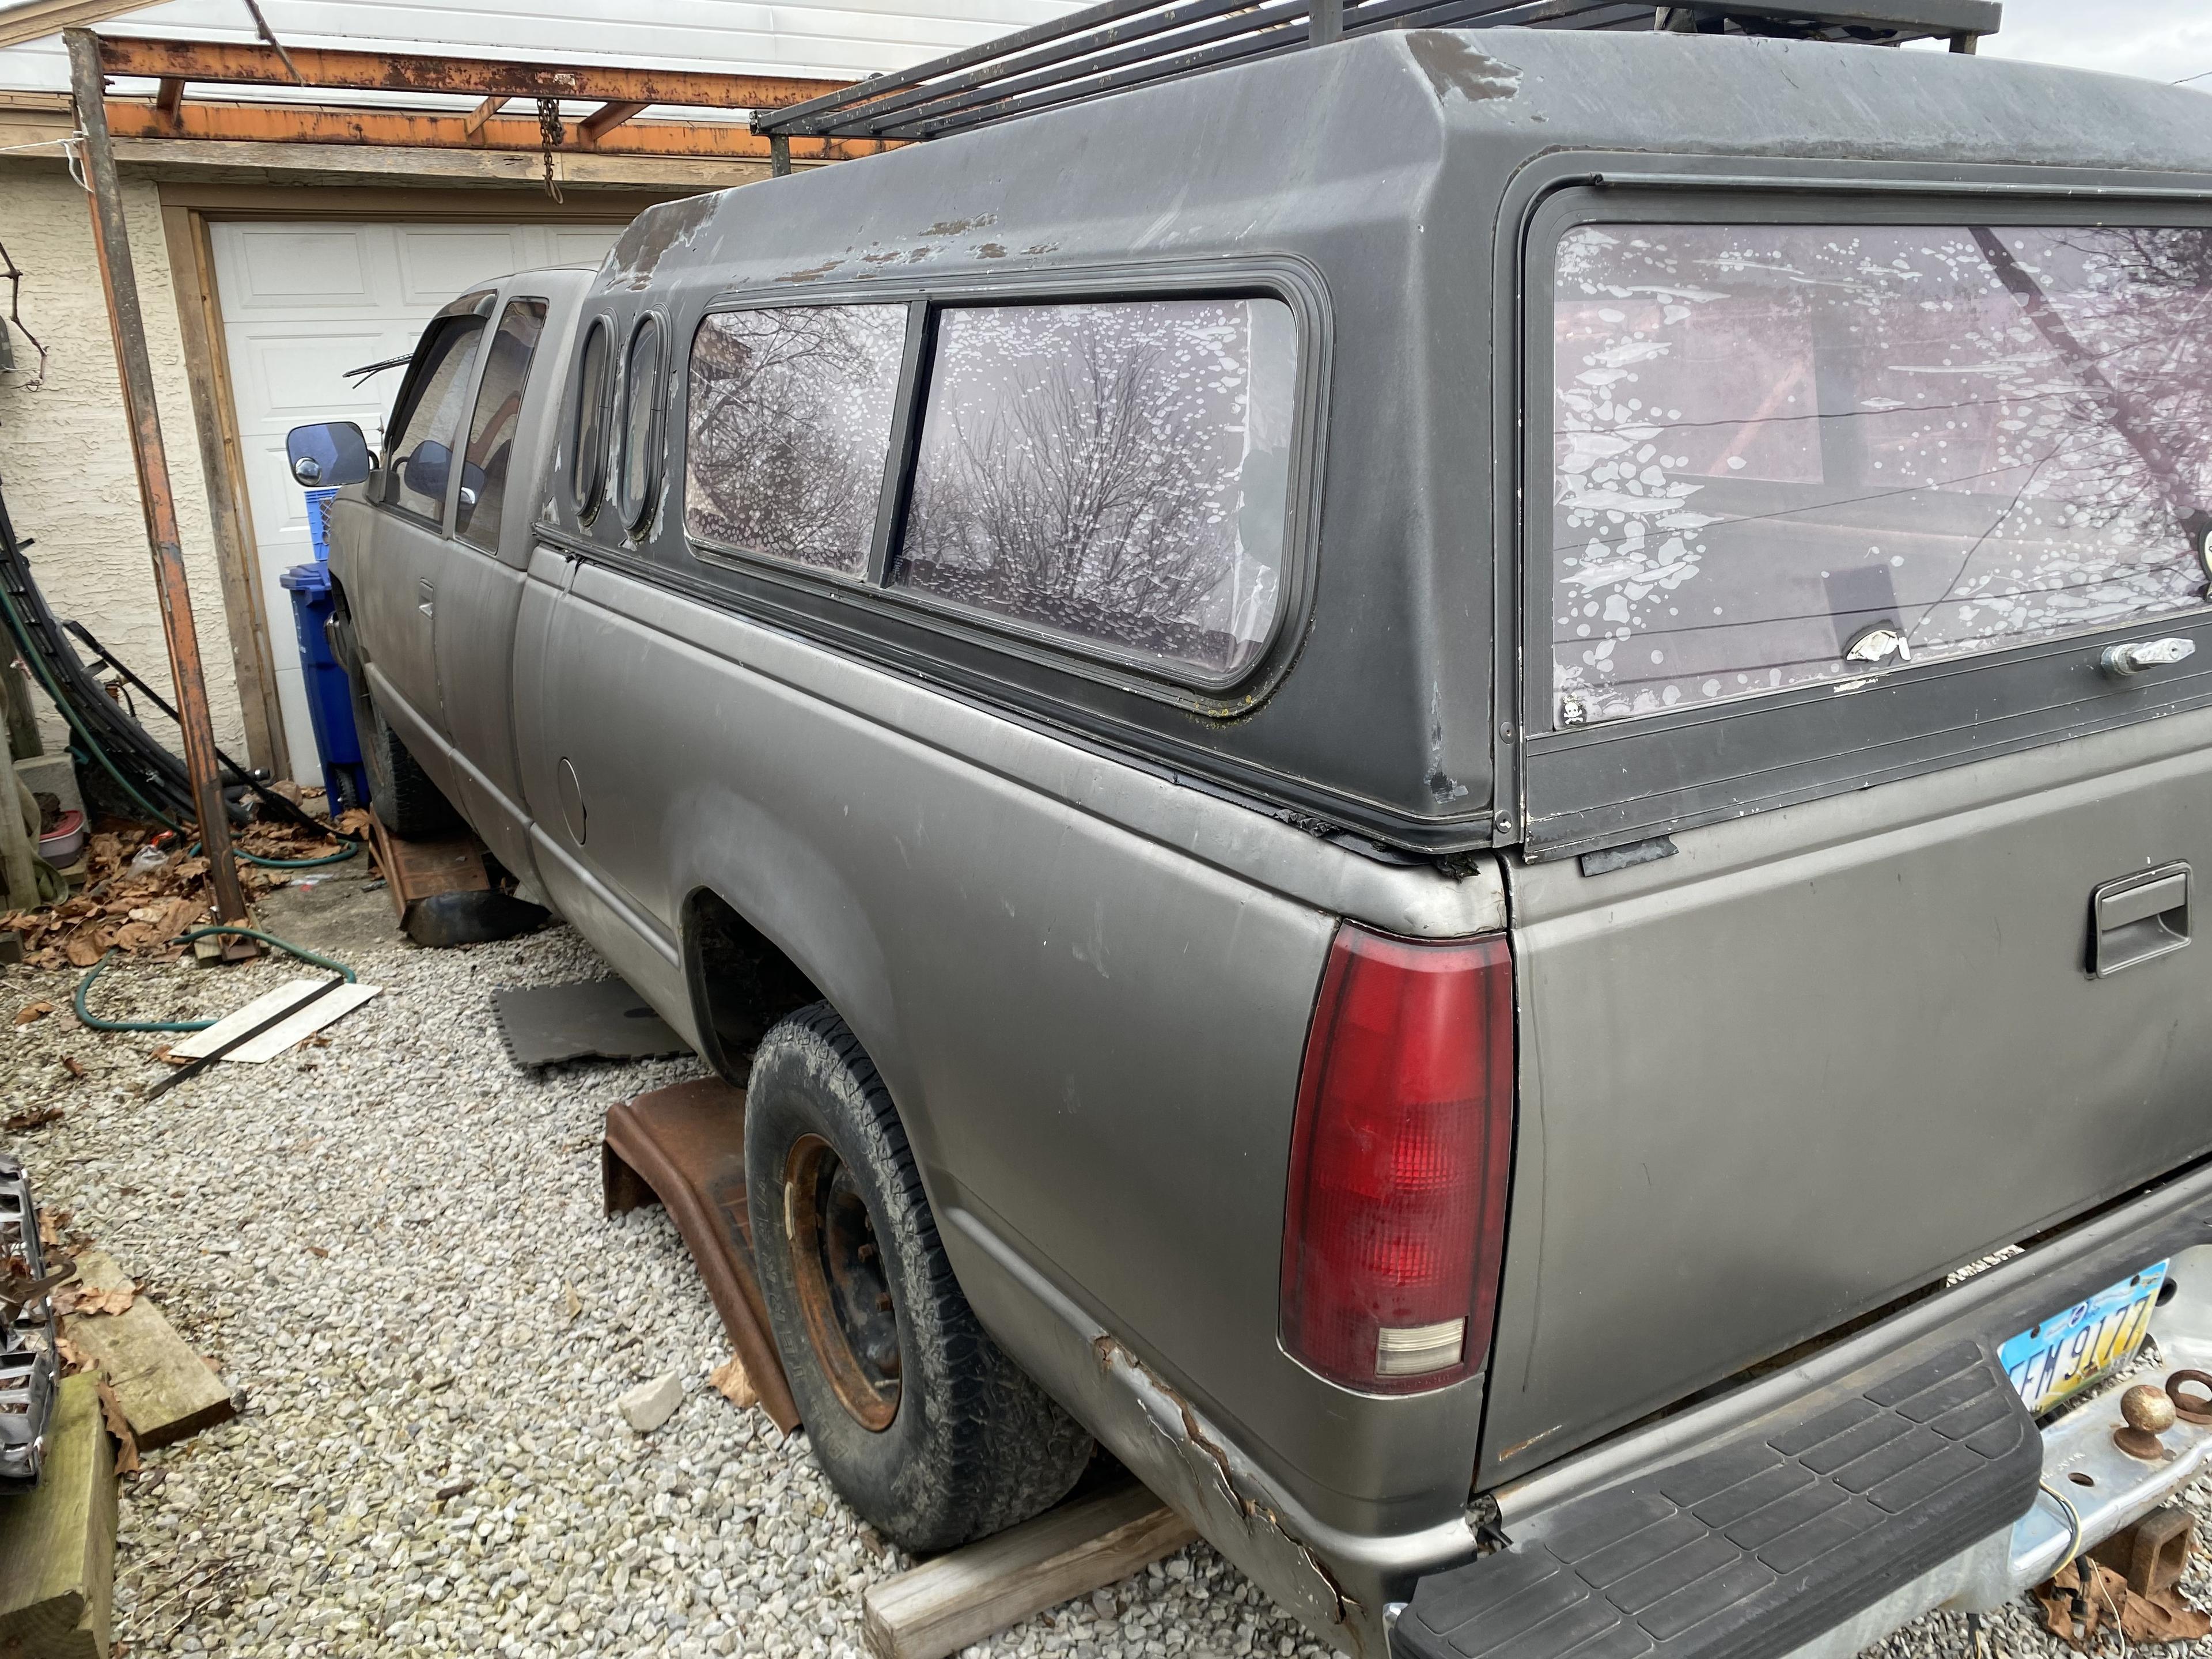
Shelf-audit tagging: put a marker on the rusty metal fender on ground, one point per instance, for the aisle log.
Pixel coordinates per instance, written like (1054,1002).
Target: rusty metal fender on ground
(685,1145)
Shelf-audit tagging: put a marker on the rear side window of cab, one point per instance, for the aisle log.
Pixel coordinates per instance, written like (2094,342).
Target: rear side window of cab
(1112,477)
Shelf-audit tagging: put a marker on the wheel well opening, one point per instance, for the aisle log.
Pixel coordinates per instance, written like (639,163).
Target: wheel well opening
(740,982)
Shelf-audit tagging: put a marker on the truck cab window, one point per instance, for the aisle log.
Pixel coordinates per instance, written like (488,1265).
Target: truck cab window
(790,423)
(1114,474)
(1786,454)
(492,426)
(422,449)
(587,433)
(635,477)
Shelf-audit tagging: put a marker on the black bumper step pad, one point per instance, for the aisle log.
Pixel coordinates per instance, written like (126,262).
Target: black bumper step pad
(1747,1550)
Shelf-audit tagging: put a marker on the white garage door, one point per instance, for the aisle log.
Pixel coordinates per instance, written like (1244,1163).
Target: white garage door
(303,302)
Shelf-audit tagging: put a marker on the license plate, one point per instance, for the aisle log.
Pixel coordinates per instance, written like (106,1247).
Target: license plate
(2070,1350)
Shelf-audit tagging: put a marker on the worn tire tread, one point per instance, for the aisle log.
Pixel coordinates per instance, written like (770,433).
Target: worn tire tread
(408,803)
(996,1449)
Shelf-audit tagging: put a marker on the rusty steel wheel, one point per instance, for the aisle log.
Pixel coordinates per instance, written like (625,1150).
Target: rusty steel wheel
(844,1292)
(922,1422)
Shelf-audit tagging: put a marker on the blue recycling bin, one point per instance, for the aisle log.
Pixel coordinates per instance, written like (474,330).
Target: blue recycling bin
(330,695)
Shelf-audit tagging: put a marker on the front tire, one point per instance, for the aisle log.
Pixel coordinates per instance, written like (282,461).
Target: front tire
(922,1422)
(407,803)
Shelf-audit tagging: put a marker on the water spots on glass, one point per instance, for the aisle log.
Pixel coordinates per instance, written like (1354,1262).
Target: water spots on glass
(1770,439)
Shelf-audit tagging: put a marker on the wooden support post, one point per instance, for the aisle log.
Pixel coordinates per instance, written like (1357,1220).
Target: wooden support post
(958,1599)
(1324,22)
(1965,43)
(23,739)
(169,97)
(57,1540)
(112,242)
(779,155)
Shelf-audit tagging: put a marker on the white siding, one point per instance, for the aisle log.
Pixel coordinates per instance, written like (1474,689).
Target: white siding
(844,41)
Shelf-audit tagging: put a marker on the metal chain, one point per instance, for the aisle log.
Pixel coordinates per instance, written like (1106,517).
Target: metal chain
(552,134)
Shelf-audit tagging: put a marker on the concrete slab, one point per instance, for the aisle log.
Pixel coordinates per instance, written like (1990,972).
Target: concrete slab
(331,910)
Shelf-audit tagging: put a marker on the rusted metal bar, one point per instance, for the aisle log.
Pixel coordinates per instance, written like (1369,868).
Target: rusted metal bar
(112,243)
(377,71)
(293,124)
(605,119)
(169,99)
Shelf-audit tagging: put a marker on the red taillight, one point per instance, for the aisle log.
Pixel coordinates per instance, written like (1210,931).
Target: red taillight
(1395,1224)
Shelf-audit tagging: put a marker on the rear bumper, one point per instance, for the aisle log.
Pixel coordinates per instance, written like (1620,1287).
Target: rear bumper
(1820,1508)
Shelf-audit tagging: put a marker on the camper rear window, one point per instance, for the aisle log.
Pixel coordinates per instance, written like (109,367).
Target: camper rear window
(1791,454)
(1116,474)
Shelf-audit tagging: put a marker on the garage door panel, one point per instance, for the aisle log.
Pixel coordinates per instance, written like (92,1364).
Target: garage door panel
(291,375)
(582,245)
(438,262)
(265,269)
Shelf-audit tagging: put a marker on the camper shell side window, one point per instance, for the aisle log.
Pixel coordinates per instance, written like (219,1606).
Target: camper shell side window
(1108,477)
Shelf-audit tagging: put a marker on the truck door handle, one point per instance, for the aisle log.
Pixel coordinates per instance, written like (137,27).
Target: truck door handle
(429,594)
(2138,917)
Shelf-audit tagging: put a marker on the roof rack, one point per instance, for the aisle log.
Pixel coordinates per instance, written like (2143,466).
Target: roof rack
(1116,44)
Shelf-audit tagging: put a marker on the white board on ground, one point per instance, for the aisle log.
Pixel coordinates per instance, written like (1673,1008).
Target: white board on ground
(278,1037)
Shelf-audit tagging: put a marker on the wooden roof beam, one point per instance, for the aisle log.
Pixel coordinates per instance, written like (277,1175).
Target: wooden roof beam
(297,124)
(473,122)
(239,64)
(605,119)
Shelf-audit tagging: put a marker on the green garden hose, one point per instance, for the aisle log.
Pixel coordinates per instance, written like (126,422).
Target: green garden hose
(87,1017)
(284,863)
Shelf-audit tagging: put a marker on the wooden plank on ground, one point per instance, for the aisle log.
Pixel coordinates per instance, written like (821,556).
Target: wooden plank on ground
(57,1541)
(166,1391)
(943,1605)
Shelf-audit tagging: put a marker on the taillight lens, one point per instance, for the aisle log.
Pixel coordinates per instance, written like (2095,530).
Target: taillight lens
(1396,1225)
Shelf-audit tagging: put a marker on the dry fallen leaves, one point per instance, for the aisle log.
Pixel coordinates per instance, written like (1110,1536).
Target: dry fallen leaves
(74,1067)
(730,1380)
(36,1118)
(2080,1597)
(126,1443)
(571,1304)
(76,1299)
(35,1011)
(143,913)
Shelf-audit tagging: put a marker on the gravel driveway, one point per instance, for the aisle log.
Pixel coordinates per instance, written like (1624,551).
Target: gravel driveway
(384,1243)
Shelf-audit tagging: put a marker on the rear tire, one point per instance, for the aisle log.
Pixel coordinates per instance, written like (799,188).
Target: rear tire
(920,1420)
(407,803)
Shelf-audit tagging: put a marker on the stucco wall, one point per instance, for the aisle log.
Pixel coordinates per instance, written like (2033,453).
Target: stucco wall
(65,456)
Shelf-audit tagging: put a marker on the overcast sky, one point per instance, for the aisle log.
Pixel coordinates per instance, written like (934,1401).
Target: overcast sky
(2164,39)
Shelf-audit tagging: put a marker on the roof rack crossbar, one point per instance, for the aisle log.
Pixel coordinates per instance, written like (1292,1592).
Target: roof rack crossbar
(1281,27)
(797,119)
(984,85)
(1118,45)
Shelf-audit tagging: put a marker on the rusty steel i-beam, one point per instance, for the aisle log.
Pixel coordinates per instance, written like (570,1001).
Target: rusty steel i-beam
(112,243)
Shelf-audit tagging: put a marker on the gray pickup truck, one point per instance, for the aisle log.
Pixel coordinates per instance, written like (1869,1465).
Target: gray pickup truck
(1451,782)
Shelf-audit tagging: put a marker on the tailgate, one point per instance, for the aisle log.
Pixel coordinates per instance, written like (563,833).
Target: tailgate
(1825,1055)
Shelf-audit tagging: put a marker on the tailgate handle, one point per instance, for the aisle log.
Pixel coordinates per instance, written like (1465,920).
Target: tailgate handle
(2138,917)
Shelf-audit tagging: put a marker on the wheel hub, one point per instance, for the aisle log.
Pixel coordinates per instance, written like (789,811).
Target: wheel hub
(844,1291)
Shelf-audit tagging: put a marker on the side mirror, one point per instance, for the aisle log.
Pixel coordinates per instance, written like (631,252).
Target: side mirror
(425,471)
(326,455)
